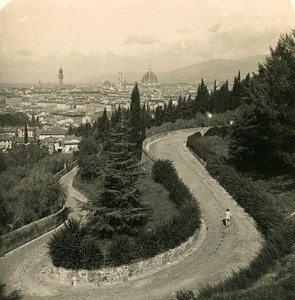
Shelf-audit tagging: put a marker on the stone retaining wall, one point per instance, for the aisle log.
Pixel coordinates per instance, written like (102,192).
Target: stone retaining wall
(106,276)
(20,236)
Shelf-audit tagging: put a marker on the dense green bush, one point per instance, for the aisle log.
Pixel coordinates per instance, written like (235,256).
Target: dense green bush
(193,142)
(122,250)
(71,248)
(222,131)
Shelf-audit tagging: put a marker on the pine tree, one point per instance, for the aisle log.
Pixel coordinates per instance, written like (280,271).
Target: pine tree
(121,170)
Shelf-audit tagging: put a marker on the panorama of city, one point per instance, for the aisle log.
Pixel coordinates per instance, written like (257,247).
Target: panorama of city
(147,150)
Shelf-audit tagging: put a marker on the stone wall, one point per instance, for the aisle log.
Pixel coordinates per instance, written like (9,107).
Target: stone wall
(107,276)
(20,236)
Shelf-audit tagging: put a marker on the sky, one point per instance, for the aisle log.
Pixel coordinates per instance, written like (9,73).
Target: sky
(89,38)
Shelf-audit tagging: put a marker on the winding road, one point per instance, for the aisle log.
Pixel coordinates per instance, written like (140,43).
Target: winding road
(223,250)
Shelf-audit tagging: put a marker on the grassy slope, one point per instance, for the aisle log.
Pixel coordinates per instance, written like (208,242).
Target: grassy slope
(153,195)
(279,284)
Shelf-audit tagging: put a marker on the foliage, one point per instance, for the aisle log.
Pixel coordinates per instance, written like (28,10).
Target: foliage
(15,295)
(221,131)
(122,250)
(15,119)
(22,200)
(135,120)
(279,235)
(263,130)
(71,248)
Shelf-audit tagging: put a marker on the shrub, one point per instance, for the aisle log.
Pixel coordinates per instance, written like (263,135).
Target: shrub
(160,169)
(70,248)
(222,131)
(122,250)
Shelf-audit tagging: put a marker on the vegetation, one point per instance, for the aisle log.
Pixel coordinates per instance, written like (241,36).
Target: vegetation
(119,217)
(260,152)
(15,295)
(22,201)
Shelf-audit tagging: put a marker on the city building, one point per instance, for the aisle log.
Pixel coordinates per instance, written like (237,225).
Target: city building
(149,79)
(6,142)
(60,76)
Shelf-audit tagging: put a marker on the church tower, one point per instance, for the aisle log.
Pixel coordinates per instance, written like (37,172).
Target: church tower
(60,76)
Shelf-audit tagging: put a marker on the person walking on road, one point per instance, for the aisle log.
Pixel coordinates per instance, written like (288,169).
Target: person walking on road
(227,217)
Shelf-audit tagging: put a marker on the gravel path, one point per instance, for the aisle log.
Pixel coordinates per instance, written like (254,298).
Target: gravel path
(223,250)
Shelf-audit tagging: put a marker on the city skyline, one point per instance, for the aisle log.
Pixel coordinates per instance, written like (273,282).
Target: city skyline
(91,38)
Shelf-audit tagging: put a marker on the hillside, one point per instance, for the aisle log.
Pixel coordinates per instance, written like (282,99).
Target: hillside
(219,69)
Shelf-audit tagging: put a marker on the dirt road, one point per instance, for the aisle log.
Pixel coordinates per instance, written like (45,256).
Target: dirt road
(224,248)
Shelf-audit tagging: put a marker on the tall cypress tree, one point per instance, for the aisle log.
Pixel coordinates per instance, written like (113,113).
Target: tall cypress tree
(143,124)
(26,138)
(134,120)
(202,101)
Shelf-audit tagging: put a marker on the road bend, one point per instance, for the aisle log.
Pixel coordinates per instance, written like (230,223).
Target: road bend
(224,249)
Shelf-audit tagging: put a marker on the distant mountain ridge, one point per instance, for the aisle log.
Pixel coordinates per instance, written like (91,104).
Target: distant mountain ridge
(219,69)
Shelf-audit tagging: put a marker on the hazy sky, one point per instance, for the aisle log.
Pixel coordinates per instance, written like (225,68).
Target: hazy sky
(88,38)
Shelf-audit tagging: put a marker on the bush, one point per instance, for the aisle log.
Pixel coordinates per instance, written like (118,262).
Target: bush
(222,131)
(70,248)
(122,250)
(160,169)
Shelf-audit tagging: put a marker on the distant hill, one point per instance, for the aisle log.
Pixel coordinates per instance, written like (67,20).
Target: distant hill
(219,69)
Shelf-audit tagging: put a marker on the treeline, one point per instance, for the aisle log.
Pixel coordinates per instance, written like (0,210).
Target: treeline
(28,189)
(18,119)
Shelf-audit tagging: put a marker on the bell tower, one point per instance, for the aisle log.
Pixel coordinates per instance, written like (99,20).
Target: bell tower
(60,76)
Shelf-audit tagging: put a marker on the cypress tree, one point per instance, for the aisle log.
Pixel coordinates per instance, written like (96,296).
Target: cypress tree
(26,138)
(135,118)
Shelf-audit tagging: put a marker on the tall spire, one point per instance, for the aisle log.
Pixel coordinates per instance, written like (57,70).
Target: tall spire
(60,76)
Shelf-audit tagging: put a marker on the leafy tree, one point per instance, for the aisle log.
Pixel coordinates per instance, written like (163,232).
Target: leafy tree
(264,130)
(16,119)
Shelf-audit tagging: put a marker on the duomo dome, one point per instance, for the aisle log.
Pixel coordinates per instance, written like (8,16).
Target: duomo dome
(149,78)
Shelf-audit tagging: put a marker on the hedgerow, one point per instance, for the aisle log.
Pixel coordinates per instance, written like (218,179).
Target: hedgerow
(279,235)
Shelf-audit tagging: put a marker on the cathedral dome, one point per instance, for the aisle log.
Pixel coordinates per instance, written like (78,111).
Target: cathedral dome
(106,84)
(149,78)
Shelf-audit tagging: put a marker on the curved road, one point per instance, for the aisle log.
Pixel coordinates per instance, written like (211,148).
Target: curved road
(223,250)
